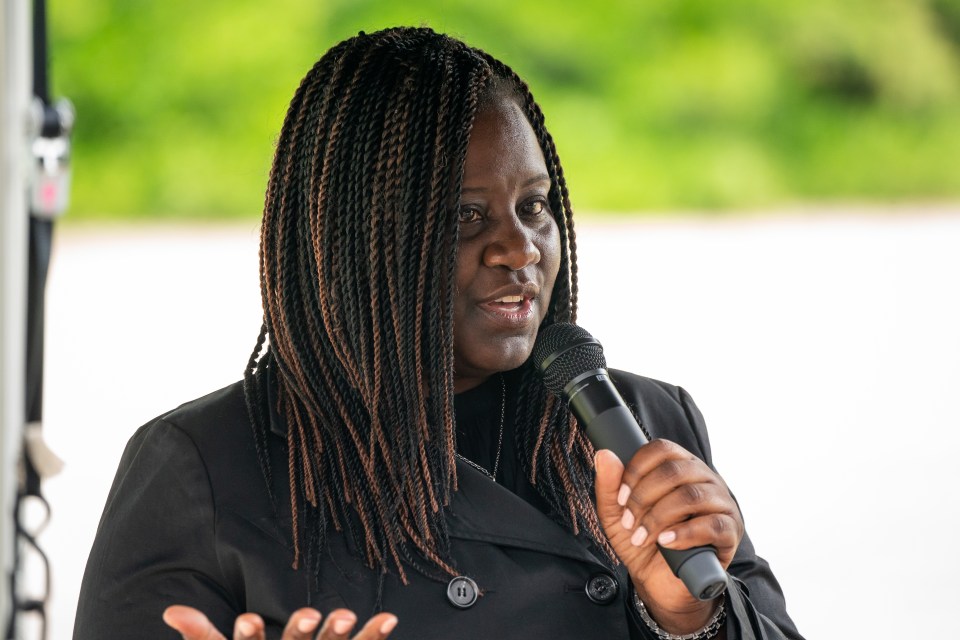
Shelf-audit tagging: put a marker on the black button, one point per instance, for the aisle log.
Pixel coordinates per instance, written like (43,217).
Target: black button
(602,588)
(462,592)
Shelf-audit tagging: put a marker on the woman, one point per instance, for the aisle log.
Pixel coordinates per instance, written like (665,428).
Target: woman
(390,455)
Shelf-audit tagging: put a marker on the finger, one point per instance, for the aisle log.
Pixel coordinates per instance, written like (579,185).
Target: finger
(338,625)
(684,503)
(377,627)
(650,456)
(607,485)
(249,626)
(665,479)
(302,625)
(721,531)
(191,623)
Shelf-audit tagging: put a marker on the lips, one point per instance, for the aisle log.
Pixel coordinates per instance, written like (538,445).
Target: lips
(511,305)
(513,293)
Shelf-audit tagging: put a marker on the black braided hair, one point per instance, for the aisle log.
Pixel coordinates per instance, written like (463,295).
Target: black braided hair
(357,260)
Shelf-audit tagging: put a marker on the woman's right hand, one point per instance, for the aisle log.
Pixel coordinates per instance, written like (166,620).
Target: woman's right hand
(192,624)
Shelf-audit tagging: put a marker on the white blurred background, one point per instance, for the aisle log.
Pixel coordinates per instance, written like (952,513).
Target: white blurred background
(823,348)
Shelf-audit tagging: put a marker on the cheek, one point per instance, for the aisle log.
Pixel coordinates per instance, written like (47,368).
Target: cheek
(550,255)
(550,267)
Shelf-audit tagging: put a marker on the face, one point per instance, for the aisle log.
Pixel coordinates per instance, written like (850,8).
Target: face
(509,252)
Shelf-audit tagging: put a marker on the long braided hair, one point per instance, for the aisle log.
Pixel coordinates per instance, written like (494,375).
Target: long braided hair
(357,256)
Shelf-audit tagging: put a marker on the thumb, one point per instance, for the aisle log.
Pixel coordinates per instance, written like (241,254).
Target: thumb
(191,623)
(607,485)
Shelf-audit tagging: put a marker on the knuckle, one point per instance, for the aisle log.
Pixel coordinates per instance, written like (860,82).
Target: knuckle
(654,520)
(719,525)
(671,468)
(632,470)
(659,445)
(669,446)
(692,494)
(635,500)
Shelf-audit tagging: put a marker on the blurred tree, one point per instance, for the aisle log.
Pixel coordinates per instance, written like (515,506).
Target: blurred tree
(665,105)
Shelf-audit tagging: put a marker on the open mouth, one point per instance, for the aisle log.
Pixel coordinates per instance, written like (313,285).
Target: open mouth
(510,303)
(512,309)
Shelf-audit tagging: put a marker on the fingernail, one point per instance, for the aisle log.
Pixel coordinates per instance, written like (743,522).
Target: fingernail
(638,536)
(667,537)
(623,495)
(342,625)
(246,628)
(627,521)
(388,626)
(306,625)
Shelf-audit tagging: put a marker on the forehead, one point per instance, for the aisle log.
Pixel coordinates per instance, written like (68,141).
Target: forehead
(502,140)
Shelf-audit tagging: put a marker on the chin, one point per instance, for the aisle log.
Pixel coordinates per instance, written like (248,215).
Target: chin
(514,352)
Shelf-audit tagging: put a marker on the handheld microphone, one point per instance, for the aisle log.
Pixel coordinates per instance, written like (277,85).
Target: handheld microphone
(571,363)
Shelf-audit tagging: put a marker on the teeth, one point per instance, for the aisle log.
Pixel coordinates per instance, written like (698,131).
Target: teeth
(509,299)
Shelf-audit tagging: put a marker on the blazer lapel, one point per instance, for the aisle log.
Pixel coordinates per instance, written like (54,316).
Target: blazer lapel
(483,510)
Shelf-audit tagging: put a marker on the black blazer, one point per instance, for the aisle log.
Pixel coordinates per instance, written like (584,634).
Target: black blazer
(189,521)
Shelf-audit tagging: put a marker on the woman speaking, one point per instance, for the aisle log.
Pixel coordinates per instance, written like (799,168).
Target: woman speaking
(391,464)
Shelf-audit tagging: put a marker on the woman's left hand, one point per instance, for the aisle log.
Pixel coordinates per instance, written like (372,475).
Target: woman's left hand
(303,624)
(667,495)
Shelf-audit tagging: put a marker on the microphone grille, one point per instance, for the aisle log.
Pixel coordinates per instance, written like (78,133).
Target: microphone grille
(562,352)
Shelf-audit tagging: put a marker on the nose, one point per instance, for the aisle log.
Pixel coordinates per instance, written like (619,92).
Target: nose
(511,245)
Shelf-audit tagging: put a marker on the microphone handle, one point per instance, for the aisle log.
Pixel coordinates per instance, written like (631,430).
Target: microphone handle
(610,428)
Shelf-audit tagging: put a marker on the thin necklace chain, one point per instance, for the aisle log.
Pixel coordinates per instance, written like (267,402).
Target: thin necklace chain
(496,461)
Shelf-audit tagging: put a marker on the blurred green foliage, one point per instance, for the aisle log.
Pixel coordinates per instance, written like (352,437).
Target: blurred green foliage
(654,105)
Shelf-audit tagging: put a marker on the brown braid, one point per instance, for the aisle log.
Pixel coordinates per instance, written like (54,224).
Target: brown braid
(357,261)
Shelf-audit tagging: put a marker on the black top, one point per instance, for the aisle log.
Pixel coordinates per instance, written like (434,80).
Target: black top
(477,413)
(189,521)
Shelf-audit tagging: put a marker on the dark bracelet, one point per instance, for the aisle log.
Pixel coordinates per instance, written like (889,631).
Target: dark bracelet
(711,629)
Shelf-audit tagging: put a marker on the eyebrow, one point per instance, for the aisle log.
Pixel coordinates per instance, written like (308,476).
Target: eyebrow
(541,177)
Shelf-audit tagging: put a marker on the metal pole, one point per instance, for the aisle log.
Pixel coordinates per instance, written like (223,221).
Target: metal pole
(15,79)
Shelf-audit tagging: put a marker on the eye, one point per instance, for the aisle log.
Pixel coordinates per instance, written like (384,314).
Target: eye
(534,207)
(468,214)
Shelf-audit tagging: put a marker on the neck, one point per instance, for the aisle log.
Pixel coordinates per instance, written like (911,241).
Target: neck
(461,384)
